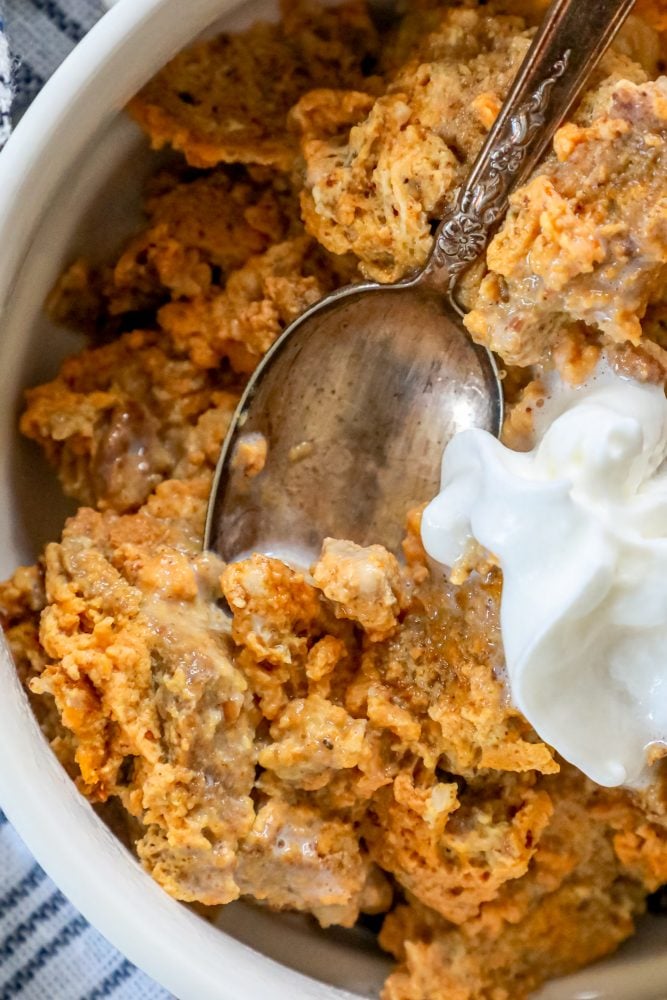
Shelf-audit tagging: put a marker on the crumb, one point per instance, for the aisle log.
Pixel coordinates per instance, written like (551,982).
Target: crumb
(250,455)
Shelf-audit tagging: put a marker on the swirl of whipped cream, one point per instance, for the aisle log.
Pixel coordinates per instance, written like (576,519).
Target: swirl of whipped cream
(579,528)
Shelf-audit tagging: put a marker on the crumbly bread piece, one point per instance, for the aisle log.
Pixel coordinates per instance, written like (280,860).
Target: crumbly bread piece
(454,850)
(138,663)
(200,230)
(438,684)
(584,241)
(401,754)
(295,858)
(119,419)
(241,321)
(378,173)
(575,905)
(226,100)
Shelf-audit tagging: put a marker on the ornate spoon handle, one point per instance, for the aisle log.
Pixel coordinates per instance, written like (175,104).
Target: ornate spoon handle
(570,42)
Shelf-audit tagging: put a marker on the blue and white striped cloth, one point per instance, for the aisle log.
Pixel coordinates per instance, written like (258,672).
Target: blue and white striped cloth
(47,950)
(41,33)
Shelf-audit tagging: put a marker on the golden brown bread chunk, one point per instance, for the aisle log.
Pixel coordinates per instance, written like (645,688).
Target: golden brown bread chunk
(139,667)
(259,300)
(312,739)
(584,241)
(288,638)
(363,584)
(227,100)
(22,600)
(380,173)
(455,851)
(119,419)
(410,758)
(418,35)
(297,859)
(375,188)
(200,227)
(528,932)
(438,684)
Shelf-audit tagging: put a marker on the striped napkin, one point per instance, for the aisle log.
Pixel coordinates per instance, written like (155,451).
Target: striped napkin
(47,950)
(5,86)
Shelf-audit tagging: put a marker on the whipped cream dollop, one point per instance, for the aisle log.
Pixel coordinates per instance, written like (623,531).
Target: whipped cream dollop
(579,527)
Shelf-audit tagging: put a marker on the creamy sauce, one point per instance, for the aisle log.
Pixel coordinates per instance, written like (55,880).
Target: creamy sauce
(579,528)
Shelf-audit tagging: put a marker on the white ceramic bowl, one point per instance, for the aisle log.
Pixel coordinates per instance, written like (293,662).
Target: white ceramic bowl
(69,183)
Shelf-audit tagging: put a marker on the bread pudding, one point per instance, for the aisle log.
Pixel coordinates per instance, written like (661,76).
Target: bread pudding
(341,741)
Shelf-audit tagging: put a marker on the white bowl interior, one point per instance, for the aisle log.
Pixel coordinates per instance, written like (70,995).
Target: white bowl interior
(88,205)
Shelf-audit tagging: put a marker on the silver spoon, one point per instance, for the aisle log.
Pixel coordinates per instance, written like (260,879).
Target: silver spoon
(357,399)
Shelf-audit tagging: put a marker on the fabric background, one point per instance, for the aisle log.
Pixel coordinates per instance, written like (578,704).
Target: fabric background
(47,950)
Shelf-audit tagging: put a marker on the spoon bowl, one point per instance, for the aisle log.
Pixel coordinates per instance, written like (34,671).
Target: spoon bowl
(383,377)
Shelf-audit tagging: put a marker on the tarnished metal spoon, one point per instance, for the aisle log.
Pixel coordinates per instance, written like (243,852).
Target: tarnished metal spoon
(357,399)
